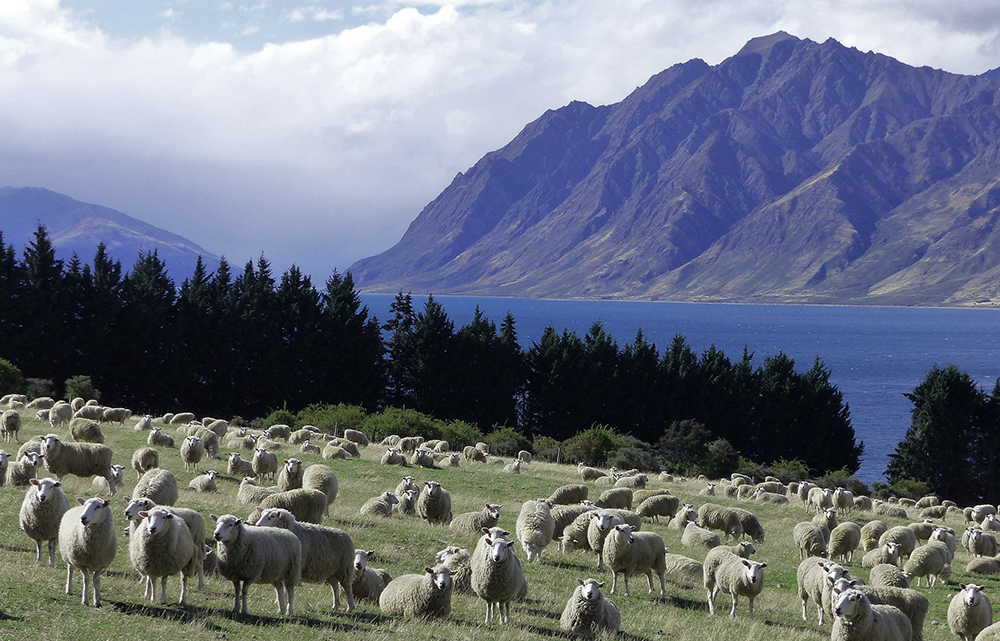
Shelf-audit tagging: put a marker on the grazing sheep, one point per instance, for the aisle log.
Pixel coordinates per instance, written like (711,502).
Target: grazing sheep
(238,467)
(574,535)
(162,546)
(251,494)
(393,456)
(737,577)
(969,612)
(863,503)
(563,515)
(887,509)
(88,542)
(101,485)
(935,512)
(680,567)
(619,498)
(80,459)
(810,539)
(4,464)
(290,477)
(885,575)
(474,522)
(300,436)
(751,525)
(871,532)
(327,553)
(844,540)
(535,528)
(179,418)
(84,430)
(424,596)
(380,505)
(10,425)
(657,506)
(697,536)
(356,437)
(145,459)
(41,512)
(307,505)
(991,633)
(434,504)
(932,561)
(497,577)
(116,415)
(718,517)
(638,496)
(589,473)
(22,471)
(569,494)
(856,619)
(250,554)
(903,536)
(888,553)
(204,483)
(60,414)
(159,485)
(158,438)
(265,464)
(587,612)
(321,477)
(924,529)
(368,582)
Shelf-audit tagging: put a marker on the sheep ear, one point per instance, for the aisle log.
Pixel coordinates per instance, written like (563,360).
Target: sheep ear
(170,515)
(106,503)
(214,517)
(128,499)
(763,564)
(510,544)
(240,521)
(580,581)
(144,514)
(429,570)
(485,530)
(370,554)
(80,501)
(33,481)
(57,484)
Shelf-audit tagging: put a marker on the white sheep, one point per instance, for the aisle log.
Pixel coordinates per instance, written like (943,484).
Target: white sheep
(601,524)
(327,553)
(250,493)
(158,438)
(459,561)
(844,540)
(393,456)
(116,415)
(4,464)
(60,414)
(407,503)
(41,512)
(809,537)
(814,579)
(888,575)
(408,483)
(87,542)
(932,561)
(250,554)
(696,536)
(535,528)
(80,459)
(204,483)
(843,500)
(422,458)
(192,518)
(101,485)
(84,430)
(589,473)
(888,553)
(380,505)
(425,596)
(145,423)
(21,471)
(162,546)
(911,603)
(980,543)
(682,568)
(143,460)
(497,577)
(159,485)
(871,532)
(856,619)
(192,451)
(718,517)
(569,494)
(236,466)
(434,503)
(309,448)
(290,477)
(587,612)
(617,498)
(737,577)
(474,522)
(902,535)
(969,612)
(656,506)
(10,425)
(629,552)
(369,582)
(308,505)
(820,498)
(514,467)
(265,464)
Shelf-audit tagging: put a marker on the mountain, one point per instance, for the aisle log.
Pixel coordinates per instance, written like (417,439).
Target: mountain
(793,171)
(79,227)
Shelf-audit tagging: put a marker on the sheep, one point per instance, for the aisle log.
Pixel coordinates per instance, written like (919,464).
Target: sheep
(980,512)
(843,501)
(686,514)
(563,515)
(209,440)
(535,528)
(932,561)
(803,492)
(815,579)
(983,565)
(380,505)
(10,425)
(143,424)
(745,492)
(888,553)
(497,577)
(192,451)
(335,452)
(474,522)
(80,459)
(242,441)
(459,561)
(162,546)
(638,496)
(158,438)
(290,477)
(327,553)
(4,464)
(935,512)
(634,482)
(88,542)
(192,518)
(434,504)
(601,523)
(101,485)
(408,483)
(309,448)
(390,441)
(307,505)
(356,436)
(657,506)
(250,554)
(321,477)
(680,567)
(368,582)
(902,535)
(41,512)
(179,418)
(265,464)
(91,412)
(871,532)
(820,498)
(589,473)
(760,496)
(981,544)
(60,414)
(718,517)
(422,458)
(619,497)
(858,620)
(569,494)
(771,487)
(143,460)
(810,540)
(425,596)
(251,494)
(410,443)
(159,485)
(407,503)
(22,471)
(863,503)
(924,529)
(524,456)
(751,525)
(299,436)
(697,536)
(85,431)
(886,509)
(8,398)
(587,612)
(991,633)
(886,575)
(238,467)
(204,483)
(844,540)
(716,556)
(574,535)
(991,523)
(116,415)
(828,519)
(393,456)
(737,577)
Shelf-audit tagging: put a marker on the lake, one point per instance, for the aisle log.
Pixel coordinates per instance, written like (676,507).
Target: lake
(875,354)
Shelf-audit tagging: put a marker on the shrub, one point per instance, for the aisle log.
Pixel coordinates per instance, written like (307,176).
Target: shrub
(722,460)
(684,446)
(459,434)
(506,441)
(845,479)
(404,422)
(35,387)
(908,488)
(81,385)
(280,417)
(593,445)
(642,459)
(788,471)
(11,378)
(330,417)
(546,448)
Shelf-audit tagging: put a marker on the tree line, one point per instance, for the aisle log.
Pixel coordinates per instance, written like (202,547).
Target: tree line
(245,342)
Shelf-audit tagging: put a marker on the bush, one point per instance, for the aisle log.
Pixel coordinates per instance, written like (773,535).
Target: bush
(642,459)
(81,386)
(280,417)
(908,488)
(35,387)
(11,378)
(722,460)
(404,422)
(459,434)
(546,448)
(593,445)
(506,441)
(788,471)
(330,417)
(684,446)
(845,479)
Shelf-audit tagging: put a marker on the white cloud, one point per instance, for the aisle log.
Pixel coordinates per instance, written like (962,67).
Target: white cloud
(322,151)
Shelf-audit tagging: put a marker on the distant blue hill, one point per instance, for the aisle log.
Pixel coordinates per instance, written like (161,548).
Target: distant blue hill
(79,227)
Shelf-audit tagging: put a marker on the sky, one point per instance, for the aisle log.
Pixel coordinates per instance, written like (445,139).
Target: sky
(314,132)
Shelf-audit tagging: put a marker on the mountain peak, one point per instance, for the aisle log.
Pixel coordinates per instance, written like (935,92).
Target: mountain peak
(762,44)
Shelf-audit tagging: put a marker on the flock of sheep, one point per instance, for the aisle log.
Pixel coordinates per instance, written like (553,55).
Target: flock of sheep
(284,543)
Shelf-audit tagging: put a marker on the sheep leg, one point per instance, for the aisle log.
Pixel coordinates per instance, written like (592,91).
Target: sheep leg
(184,587)
(201,575)
(627,593)
(349,593)
(805,617)
(163,589)
(732,611)
(97,588)
(38,549)
(86,586)
(505,605)
(69,578)
(52,553)
(600,562)
(280,591)
(663,584)
(489,611)
(290,589)
(236,589)
(711,599)
(614,581)
(751,607)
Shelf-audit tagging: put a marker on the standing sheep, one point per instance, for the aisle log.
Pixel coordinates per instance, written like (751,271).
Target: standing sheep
(932,561)
(162,546)
(629,552)
(587,612)
(290,477)
(718,517)
(159,485)
(737,577)
(618,498)
(858,620)
(870,533)
(307,505)
(321,477)
(810,539)
(327,553)
(656,506)
(888,553)
(356,436)
(10,425)
(250,554)
(192,451)
(41,512)
(970,612)
(535,528)
(844,540)
(434,503)
(60,414)
(101,485)
(903,536)
(87,542)
(4,464)
(424,596)
(192,518)
(569,494)
(265,464)
(497,577)
(84,430)
(80,459)
(474,522)
(143,460)
(815,580)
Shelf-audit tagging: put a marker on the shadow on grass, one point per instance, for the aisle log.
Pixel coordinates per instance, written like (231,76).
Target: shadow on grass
(7,617)
(540,631)
(15,548)
(801,629)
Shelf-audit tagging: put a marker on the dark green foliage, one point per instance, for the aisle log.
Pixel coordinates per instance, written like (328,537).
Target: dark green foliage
(723,459)
(458,433)
(327,417)
(789,471)
(684,446)
(546,448)
(281,417)
(593,446)
(402,422)
(907,488)
(638,456)
(11,378)
(506,441)
(35,387)
(844,479)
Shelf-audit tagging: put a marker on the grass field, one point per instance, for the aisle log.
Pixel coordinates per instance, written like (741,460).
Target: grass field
(33,603)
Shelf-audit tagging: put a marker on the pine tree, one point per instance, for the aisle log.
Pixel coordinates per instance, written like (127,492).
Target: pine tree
(401,352)
(355,371)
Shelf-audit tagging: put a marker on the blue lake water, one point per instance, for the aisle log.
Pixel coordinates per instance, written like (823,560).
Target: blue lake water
(875,354)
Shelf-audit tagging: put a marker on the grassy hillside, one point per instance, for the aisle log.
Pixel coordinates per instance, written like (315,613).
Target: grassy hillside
(34,605)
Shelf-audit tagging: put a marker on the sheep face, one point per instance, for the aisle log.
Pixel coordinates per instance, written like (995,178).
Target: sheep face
(390,498)
(361,558)
(494,510)
(433,487)
(94,511)
(971,593)
(624,533)
(234,458)
(44,488)
(441,577)
(754,571)
(226,528)
(158,519)
(50,442)
(4,455)
(499,549)
(293,466)
(136,506)
(591,589)
(603,521)
(850,604)
(31,459)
